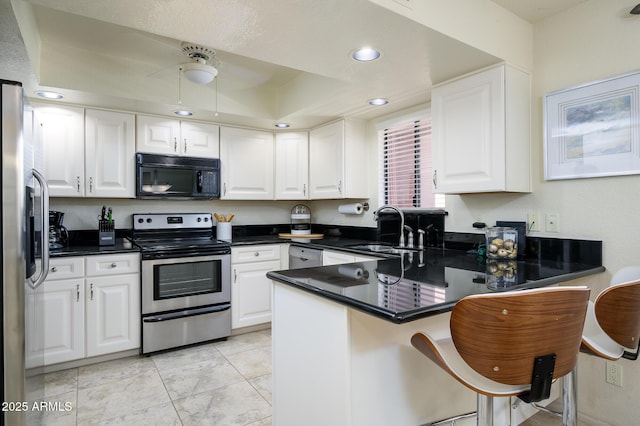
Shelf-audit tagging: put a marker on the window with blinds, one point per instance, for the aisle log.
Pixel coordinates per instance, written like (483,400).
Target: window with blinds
(406,167)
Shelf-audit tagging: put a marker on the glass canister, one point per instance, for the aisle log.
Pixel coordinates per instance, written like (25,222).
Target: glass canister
(300,219)
(502,243)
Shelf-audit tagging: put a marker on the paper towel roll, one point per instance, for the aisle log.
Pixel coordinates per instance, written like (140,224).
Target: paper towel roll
(355,208)
(352,271)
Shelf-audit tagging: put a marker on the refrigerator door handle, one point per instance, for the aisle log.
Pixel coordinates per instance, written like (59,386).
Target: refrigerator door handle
(44,233)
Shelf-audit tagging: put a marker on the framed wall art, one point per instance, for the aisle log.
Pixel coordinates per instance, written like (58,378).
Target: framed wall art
(592,130)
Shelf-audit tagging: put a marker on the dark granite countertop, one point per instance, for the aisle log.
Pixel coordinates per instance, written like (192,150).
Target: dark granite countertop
(409,287)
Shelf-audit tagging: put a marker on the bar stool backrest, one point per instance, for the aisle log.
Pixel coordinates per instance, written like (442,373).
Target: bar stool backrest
(500,335)
(617,309)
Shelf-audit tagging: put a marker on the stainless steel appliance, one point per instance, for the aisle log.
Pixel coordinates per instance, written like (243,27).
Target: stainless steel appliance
(303,257)
(24,239)
(168,176)
(58,235)
(185,280)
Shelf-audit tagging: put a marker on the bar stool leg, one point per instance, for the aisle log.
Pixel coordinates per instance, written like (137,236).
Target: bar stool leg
(570,398)
(485,410)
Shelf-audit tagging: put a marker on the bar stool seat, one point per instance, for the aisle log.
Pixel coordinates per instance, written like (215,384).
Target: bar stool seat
(510,344)
(612,326)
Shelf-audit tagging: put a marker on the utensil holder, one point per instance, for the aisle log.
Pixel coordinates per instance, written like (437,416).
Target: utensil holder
(106,232)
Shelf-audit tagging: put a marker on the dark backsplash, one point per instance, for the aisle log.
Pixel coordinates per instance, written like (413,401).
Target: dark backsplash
(431,221)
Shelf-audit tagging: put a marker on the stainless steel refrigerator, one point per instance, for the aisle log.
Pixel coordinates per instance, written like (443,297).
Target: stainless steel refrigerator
(25,252)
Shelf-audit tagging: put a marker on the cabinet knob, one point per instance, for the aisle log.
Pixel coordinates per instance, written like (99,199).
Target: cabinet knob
(256,254)
(113,265)
(54,269)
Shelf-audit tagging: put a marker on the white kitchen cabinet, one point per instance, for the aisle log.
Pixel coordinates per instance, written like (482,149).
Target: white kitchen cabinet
(109,154)
(247,164)
(481,132)
(60,130)
(60,302)
(87,153)
(292,166)
(250,288)
(161,135)
(91,306)
(338,160)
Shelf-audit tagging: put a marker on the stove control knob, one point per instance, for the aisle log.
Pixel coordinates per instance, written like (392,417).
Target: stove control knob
(206,219)
(149,220)
(199,219)
(140,220)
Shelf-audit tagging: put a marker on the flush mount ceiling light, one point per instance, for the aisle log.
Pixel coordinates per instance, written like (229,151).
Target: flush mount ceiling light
(183,113)
(378,101)
(198,71)
(49,95)
(282,125)
(365,54)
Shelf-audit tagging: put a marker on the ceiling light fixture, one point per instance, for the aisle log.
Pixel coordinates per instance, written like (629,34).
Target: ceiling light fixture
(378,101)
(198,71)
(365,54)
(183,113)
(282,125)
(49,95)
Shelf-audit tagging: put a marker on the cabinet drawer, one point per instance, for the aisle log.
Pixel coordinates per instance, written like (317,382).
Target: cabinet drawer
(256,253)
(112,264)
(65,267)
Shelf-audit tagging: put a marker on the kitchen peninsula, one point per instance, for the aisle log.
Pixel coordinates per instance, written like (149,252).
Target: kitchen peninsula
(341,334)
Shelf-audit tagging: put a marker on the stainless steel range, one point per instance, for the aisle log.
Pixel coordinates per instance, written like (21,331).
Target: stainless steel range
(185,280)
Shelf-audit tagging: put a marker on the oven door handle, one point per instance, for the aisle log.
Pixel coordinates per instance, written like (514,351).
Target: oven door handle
(187,313)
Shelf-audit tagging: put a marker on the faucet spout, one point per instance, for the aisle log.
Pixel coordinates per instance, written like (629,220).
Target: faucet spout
(397,210)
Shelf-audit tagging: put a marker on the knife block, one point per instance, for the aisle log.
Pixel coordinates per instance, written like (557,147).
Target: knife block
(106,232)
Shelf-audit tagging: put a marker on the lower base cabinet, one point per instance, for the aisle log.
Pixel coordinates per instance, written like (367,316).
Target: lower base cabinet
(76,314)
(250,288)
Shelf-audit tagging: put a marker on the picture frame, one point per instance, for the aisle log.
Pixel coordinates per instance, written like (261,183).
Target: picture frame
(592,130)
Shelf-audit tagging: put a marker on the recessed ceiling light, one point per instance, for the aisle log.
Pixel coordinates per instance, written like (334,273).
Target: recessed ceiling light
(49,95)
(282,125)
(183,113)
(365,54)
(378,101)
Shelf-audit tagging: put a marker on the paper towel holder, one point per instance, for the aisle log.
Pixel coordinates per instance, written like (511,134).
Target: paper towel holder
(365,206)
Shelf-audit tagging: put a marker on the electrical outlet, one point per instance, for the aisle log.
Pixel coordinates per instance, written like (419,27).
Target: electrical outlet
(552,222)
(533,222)
(614,374)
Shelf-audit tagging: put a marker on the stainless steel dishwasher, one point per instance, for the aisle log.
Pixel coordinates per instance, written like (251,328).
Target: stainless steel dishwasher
(303,257)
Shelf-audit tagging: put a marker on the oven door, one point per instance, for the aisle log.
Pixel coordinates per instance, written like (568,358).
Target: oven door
(185,282)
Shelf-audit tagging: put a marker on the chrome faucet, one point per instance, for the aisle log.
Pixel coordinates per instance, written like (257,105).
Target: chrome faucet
(409,236)
(397,210)
(421,233)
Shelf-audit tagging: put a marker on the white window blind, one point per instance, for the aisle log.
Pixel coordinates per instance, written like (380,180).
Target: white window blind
(406,167)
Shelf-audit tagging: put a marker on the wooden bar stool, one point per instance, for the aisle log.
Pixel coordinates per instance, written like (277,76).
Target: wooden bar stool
(510,344)
(612,327)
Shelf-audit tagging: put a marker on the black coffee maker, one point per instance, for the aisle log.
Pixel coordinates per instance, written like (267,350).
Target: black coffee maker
(58,235)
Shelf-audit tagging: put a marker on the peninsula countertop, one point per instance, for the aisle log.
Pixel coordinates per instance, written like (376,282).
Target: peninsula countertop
(428,282)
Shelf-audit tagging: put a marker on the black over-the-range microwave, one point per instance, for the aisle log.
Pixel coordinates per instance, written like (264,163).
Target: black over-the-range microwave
(169,176)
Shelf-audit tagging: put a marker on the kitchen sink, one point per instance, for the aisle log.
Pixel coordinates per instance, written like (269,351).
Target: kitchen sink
(383,248)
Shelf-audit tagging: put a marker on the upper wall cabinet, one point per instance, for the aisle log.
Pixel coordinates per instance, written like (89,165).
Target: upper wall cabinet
(482,132)
(87,153)
(338,161)
(159,135)
(292,166)
(246,164)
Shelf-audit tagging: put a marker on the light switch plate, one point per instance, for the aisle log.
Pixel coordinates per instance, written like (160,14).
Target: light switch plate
(552,222)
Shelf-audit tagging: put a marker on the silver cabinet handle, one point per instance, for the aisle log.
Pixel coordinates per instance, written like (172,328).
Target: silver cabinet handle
(91,293)
(77,183)
(175,144)
(235,276)
(77,292)
(304,189)
(435,179)
(90,183)
(224,188)
(340,186)
(185,146)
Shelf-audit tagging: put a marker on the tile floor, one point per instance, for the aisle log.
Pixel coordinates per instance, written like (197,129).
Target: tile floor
(221,383)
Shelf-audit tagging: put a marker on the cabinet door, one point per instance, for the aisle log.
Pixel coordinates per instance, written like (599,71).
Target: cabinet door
(200,139)
(336,258)
(326,161)
(61,132)
(113,314)
(246,158)
(157,135)
(61,305)
(292,166)
(469,133)
(110,154)
(251,293)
